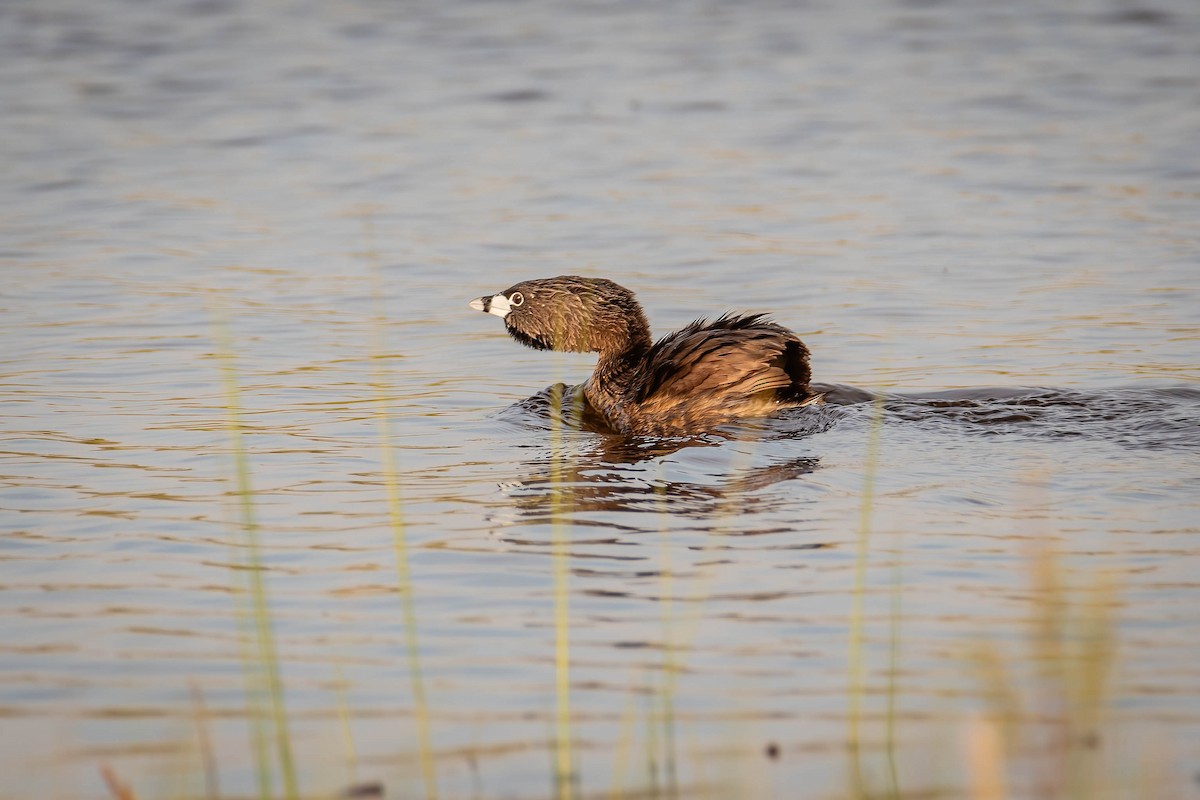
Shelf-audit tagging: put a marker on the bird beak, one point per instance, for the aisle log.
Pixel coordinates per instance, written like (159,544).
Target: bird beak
(496,304)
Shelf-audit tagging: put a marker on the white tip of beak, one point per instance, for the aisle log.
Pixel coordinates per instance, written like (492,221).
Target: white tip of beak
(477,304)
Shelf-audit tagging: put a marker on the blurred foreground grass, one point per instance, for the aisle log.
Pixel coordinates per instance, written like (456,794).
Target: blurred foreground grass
(1037,728)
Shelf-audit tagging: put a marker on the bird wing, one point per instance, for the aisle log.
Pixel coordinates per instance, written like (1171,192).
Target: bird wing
(731,357)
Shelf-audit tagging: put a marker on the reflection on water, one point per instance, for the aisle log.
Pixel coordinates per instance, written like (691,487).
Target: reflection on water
(596,486)
(949,202)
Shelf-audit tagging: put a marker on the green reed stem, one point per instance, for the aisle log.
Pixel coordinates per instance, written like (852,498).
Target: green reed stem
(893,668)
(404,583)
(855,659)
(255,690)
(268,661)
(395,505)
(564,778)
(669,666)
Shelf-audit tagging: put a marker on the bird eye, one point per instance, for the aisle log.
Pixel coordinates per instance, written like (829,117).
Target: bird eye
(515,299)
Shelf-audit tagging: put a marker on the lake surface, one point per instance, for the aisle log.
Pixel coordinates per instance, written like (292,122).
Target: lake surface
(989,212)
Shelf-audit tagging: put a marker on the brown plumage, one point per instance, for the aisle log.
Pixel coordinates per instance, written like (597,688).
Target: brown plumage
(687,382)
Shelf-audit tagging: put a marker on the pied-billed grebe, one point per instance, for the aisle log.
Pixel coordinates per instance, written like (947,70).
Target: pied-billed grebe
(687,382)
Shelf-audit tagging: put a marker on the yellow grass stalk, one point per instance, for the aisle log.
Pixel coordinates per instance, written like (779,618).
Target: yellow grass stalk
(267,659)
(986,759)
(395,505)
(564,777)
(855,658)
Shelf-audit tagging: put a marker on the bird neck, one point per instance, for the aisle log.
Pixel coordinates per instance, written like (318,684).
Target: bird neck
(626,344)
(622,358)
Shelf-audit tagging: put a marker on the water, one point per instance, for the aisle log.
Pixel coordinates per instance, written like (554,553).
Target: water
(989,212)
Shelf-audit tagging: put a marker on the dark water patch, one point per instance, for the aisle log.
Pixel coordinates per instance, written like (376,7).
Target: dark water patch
(96,88)
(519,96)
(1134,418)
(210,8)
(242,141)
(1138,16)
(55,186)
(191,84)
